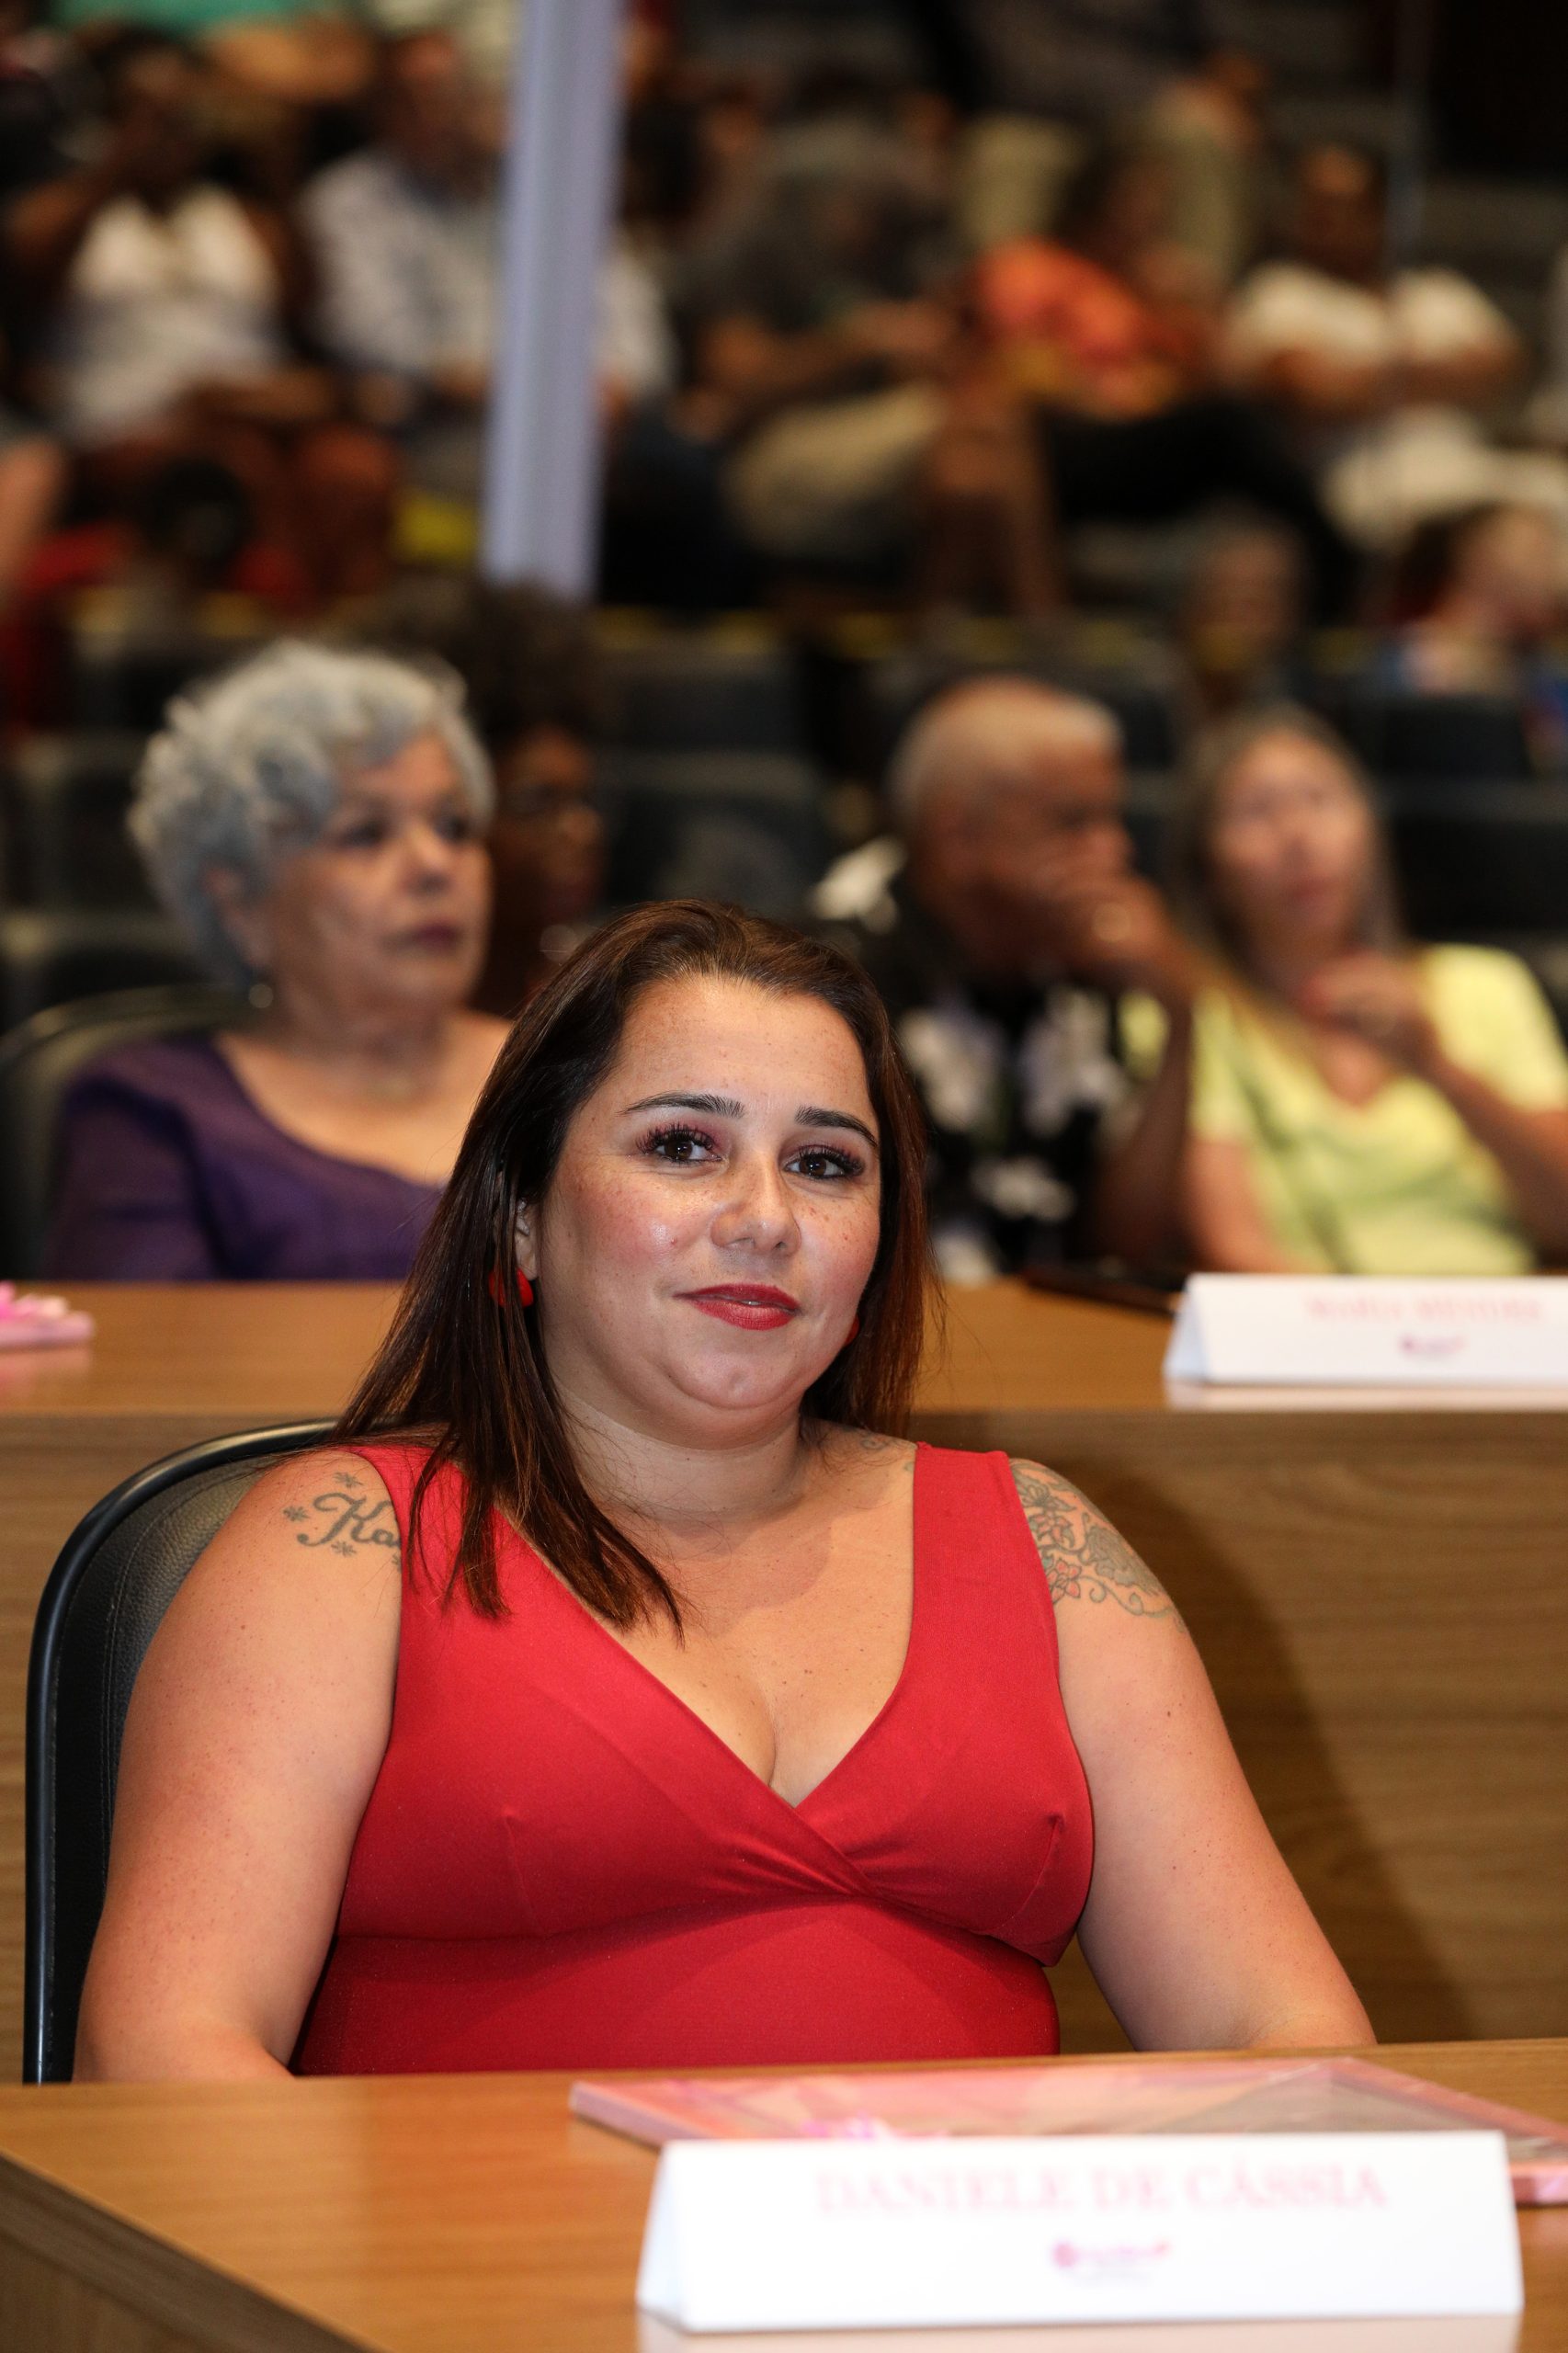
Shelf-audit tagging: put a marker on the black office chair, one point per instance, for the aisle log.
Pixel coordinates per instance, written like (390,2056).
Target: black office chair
(104,1602)
(38,1061)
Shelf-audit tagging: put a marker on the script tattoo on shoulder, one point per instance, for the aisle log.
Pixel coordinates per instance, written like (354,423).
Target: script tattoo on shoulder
(1083,1556)
(344,1520)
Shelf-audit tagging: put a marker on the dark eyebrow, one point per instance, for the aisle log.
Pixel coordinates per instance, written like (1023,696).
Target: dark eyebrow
(725,1107)
(812,1115)
(718,1107)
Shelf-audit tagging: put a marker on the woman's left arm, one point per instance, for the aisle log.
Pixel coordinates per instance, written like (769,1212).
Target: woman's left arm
(1530,1147)
(1196,1934)
(1383,1001)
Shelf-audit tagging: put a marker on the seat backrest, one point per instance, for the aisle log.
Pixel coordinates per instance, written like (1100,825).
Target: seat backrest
(742,827)
(1435,738)
(38,1062)
(1137,692)
(68,800)
(104,1602)
(50,956)
(680,693)
(1481,857)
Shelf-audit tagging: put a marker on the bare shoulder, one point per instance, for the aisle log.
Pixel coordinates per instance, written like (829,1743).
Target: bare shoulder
(1082,1555)
(319,1520)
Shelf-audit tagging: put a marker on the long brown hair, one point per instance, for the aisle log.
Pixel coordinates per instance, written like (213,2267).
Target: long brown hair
(1189,876)
(462,1366)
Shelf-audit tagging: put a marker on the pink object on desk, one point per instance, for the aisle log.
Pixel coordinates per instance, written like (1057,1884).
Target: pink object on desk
(33,1320)
(1203,2095)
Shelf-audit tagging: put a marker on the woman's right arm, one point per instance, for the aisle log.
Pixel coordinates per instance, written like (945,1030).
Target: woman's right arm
(1226,1230)
(255,1734)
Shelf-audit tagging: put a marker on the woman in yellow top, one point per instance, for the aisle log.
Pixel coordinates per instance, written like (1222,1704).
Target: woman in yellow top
(1358,1105)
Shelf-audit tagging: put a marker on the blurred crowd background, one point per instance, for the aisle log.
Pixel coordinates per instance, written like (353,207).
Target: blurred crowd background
(1084,518)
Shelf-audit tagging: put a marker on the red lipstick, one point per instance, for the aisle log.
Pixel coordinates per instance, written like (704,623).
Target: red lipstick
(752,1307)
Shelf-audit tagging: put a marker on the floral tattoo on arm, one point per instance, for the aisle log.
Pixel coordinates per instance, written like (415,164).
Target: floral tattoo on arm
(1083,1556)
(343,1519)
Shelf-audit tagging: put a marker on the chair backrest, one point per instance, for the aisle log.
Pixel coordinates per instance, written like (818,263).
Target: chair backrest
(38,1062)
(1137,692)
(69,797)
(104,1602)
(684,693)
(1434,739)
(50,955)
(1481,857)
(743,826)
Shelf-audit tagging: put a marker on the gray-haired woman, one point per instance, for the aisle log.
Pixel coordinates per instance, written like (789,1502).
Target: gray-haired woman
(316,819)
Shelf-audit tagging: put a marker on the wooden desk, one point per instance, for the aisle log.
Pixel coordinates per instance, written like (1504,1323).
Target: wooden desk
(1380,1595)
(453,2215)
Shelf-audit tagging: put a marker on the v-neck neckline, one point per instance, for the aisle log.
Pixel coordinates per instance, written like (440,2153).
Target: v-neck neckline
(645,1674)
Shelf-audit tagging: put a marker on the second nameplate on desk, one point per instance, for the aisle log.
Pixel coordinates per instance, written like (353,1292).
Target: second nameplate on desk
(1372,1331)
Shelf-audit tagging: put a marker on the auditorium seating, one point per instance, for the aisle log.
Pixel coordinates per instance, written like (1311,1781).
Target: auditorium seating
(1137,688)
(1431,738)
(50,955)
(744,826)
(701,691)
(123,677)
(66,798)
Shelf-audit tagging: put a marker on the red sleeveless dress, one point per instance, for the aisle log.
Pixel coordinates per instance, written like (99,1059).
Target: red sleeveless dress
(561,1866)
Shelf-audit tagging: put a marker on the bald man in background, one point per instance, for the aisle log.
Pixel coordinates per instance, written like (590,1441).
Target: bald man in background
(1001,920)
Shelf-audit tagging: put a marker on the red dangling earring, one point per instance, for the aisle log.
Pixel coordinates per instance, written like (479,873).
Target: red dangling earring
(524,1288)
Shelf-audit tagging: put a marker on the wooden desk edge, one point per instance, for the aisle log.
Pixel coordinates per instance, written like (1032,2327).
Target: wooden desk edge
(66,2230)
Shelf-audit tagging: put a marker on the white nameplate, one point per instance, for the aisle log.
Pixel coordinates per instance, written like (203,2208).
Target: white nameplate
(794,2234)
(1372,1331)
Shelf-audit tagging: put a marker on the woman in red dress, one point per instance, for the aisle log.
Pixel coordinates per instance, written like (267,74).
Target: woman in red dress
(616,1691)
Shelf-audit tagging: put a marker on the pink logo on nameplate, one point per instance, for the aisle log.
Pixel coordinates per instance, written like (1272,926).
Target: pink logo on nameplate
(1120,2261)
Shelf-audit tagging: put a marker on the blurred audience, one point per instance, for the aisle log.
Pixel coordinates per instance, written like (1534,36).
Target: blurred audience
(1240,619)
(828,356)
(404,234)
(183,549)
(1209,126)
(531,668)
(294,52)
(165,305)
(316,820)
(1490,586)
(1113,332)
(1384,374)
(32,479)
(1358,1106)
(1000,920)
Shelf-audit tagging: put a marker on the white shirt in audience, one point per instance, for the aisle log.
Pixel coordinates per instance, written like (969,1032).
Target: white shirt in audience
(1384,473)
(156,303)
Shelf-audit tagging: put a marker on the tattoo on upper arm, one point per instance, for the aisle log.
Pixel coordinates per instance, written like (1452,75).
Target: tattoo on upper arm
(344,1520)
(1083,1556)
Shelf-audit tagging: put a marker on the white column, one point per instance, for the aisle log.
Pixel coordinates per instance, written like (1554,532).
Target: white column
(562,165)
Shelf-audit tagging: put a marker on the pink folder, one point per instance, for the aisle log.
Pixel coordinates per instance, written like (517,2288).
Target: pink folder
(1141,2096)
